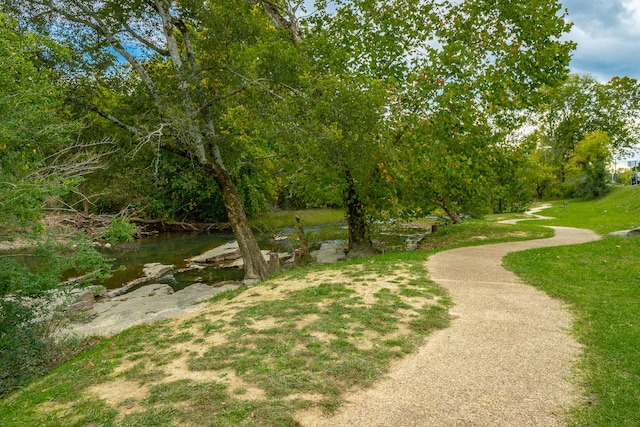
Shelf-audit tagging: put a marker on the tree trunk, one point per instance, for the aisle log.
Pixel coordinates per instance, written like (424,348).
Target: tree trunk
(449,211)
(302,254)
(358,224)
(255,266)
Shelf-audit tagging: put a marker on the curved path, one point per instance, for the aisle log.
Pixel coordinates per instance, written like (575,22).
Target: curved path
(505,360)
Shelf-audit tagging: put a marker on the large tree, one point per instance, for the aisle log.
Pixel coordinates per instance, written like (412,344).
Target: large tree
(464,69)
(357,54)
(194,60)
(583,105)
(587,166)
(471,87)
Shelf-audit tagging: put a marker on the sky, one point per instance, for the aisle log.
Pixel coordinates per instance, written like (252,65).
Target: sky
(608,36)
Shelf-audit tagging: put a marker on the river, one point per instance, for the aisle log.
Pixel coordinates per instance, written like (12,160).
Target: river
(174,248)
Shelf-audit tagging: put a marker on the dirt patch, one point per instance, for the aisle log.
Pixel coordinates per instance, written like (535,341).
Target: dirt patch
(209,327)
(121,393)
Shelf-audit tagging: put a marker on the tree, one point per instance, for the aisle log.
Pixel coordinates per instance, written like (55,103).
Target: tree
(582,105)
(587,166)
(469,90)
(39,158)
(195,61)
(338,151)
(341,155)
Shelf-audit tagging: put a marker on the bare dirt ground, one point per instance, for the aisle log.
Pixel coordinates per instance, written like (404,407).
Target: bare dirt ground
(506,359)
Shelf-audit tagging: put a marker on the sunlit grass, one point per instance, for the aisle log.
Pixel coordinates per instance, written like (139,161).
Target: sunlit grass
(316,342)
(308,217)
(601,282)
(620,210)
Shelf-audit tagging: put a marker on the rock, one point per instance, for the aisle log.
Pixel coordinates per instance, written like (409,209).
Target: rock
(620,233)
(152,271)
(98,290)
(156,270)
(634,232)
(228,256)
(157,289)
(226,252)
(329,253)
(145,305)
(239,262)
(84,302)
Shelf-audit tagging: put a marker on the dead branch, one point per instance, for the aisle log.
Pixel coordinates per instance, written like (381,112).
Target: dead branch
(163,225)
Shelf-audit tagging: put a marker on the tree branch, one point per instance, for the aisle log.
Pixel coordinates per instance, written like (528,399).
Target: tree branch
(147,43)
(131,129)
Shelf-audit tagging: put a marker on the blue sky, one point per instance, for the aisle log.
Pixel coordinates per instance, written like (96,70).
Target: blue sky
(608,37)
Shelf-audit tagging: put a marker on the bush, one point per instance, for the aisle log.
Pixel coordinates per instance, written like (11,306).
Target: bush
(120,230)
(28,346)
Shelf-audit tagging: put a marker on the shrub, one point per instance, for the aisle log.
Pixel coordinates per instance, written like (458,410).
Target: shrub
(120,230)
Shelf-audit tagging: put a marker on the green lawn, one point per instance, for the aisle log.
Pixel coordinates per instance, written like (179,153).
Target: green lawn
(601,283)
(620,210)
(255,360)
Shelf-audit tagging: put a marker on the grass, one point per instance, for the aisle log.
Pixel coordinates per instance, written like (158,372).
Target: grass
(298,341)
(481,232)
(620,210)
(258,355)
(601,283)
(281,219)
(260,359)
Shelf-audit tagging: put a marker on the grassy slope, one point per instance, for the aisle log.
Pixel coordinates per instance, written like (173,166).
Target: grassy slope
(620,210)
(601,282)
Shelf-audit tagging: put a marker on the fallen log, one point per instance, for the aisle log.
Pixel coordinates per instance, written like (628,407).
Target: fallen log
(163,225)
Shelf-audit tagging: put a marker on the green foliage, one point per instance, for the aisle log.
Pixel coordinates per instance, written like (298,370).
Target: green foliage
(466,93)
(33,128)
(28,345)
(119,230)
(571,112)
(587,166)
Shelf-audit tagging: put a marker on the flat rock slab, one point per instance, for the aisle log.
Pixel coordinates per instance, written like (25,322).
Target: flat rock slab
(329,253)
(227,256)
(156,270)
(152,271)
(228,251)
(145,305)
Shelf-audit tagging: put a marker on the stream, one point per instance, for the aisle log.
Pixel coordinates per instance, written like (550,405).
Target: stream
(175,247)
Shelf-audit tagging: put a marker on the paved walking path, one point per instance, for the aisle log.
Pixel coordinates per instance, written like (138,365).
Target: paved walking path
(506,359)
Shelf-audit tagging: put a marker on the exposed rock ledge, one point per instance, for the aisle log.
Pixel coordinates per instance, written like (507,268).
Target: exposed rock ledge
(144,305)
